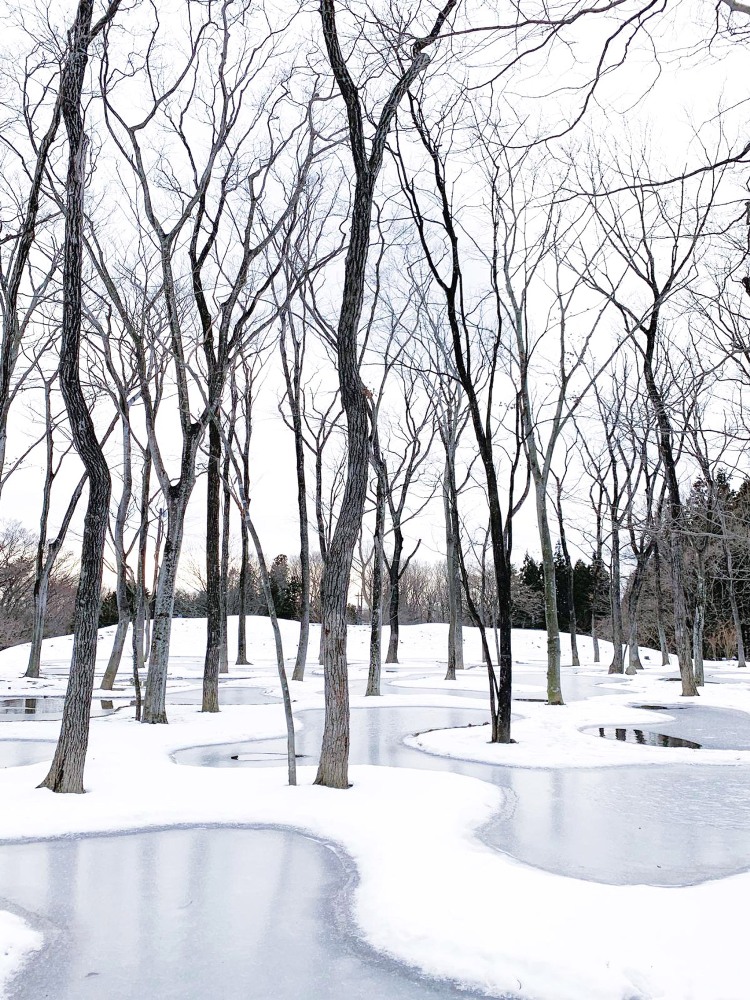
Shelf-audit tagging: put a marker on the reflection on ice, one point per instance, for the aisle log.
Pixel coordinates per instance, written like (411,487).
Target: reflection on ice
(670,825)
(196,914)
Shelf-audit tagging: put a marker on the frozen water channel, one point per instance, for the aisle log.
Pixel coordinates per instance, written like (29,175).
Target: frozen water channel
(677,824)
(193,914)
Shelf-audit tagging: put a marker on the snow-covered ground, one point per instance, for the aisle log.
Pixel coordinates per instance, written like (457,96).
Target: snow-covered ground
(430,892)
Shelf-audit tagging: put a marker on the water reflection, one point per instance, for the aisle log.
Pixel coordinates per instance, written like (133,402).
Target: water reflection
(675,824)
(49,707)
(644,737)
(192,914)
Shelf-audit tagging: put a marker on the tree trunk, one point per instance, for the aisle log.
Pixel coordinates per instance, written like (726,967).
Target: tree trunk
(663,648)
(451,563)
(154,703)
(333,769)
(554,692)
(242,659)
(123,608)
(213,571)
(636,586)
(733,600)
(595,638)
(699,616)
(394,599)
(225,539)
(617,666)
(682,638)
(376,602)
(140,587)
(291,755)
(575,660)
(66,771)
(293,396)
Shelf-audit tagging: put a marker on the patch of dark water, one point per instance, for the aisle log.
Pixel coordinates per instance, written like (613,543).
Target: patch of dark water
(643,737)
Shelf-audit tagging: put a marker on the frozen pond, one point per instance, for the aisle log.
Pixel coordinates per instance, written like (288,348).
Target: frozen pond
(227,696)
(674,824)
(642,737)
(17,753)
(47,707)
(194,914)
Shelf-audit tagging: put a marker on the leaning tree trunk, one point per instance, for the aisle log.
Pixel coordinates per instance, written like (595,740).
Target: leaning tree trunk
(376,601)
(265,581)
(66,771)
(123,607)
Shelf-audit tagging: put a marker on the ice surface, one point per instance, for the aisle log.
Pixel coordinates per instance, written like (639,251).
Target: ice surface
(197,914)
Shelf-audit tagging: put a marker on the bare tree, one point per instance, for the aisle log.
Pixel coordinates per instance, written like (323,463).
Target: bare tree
(333,766)
(66,770)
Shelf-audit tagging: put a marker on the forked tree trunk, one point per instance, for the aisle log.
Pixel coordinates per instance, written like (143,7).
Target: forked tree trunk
(333,769)
(66,771)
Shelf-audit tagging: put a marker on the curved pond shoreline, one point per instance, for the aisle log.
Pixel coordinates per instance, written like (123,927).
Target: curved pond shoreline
(680,827)
(230,912)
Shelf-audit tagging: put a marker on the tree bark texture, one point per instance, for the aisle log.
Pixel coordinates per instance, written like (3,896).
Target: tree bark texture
(213,570)
(66,771)
(376,601)
(334,758)
(123,607)
(682,637)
